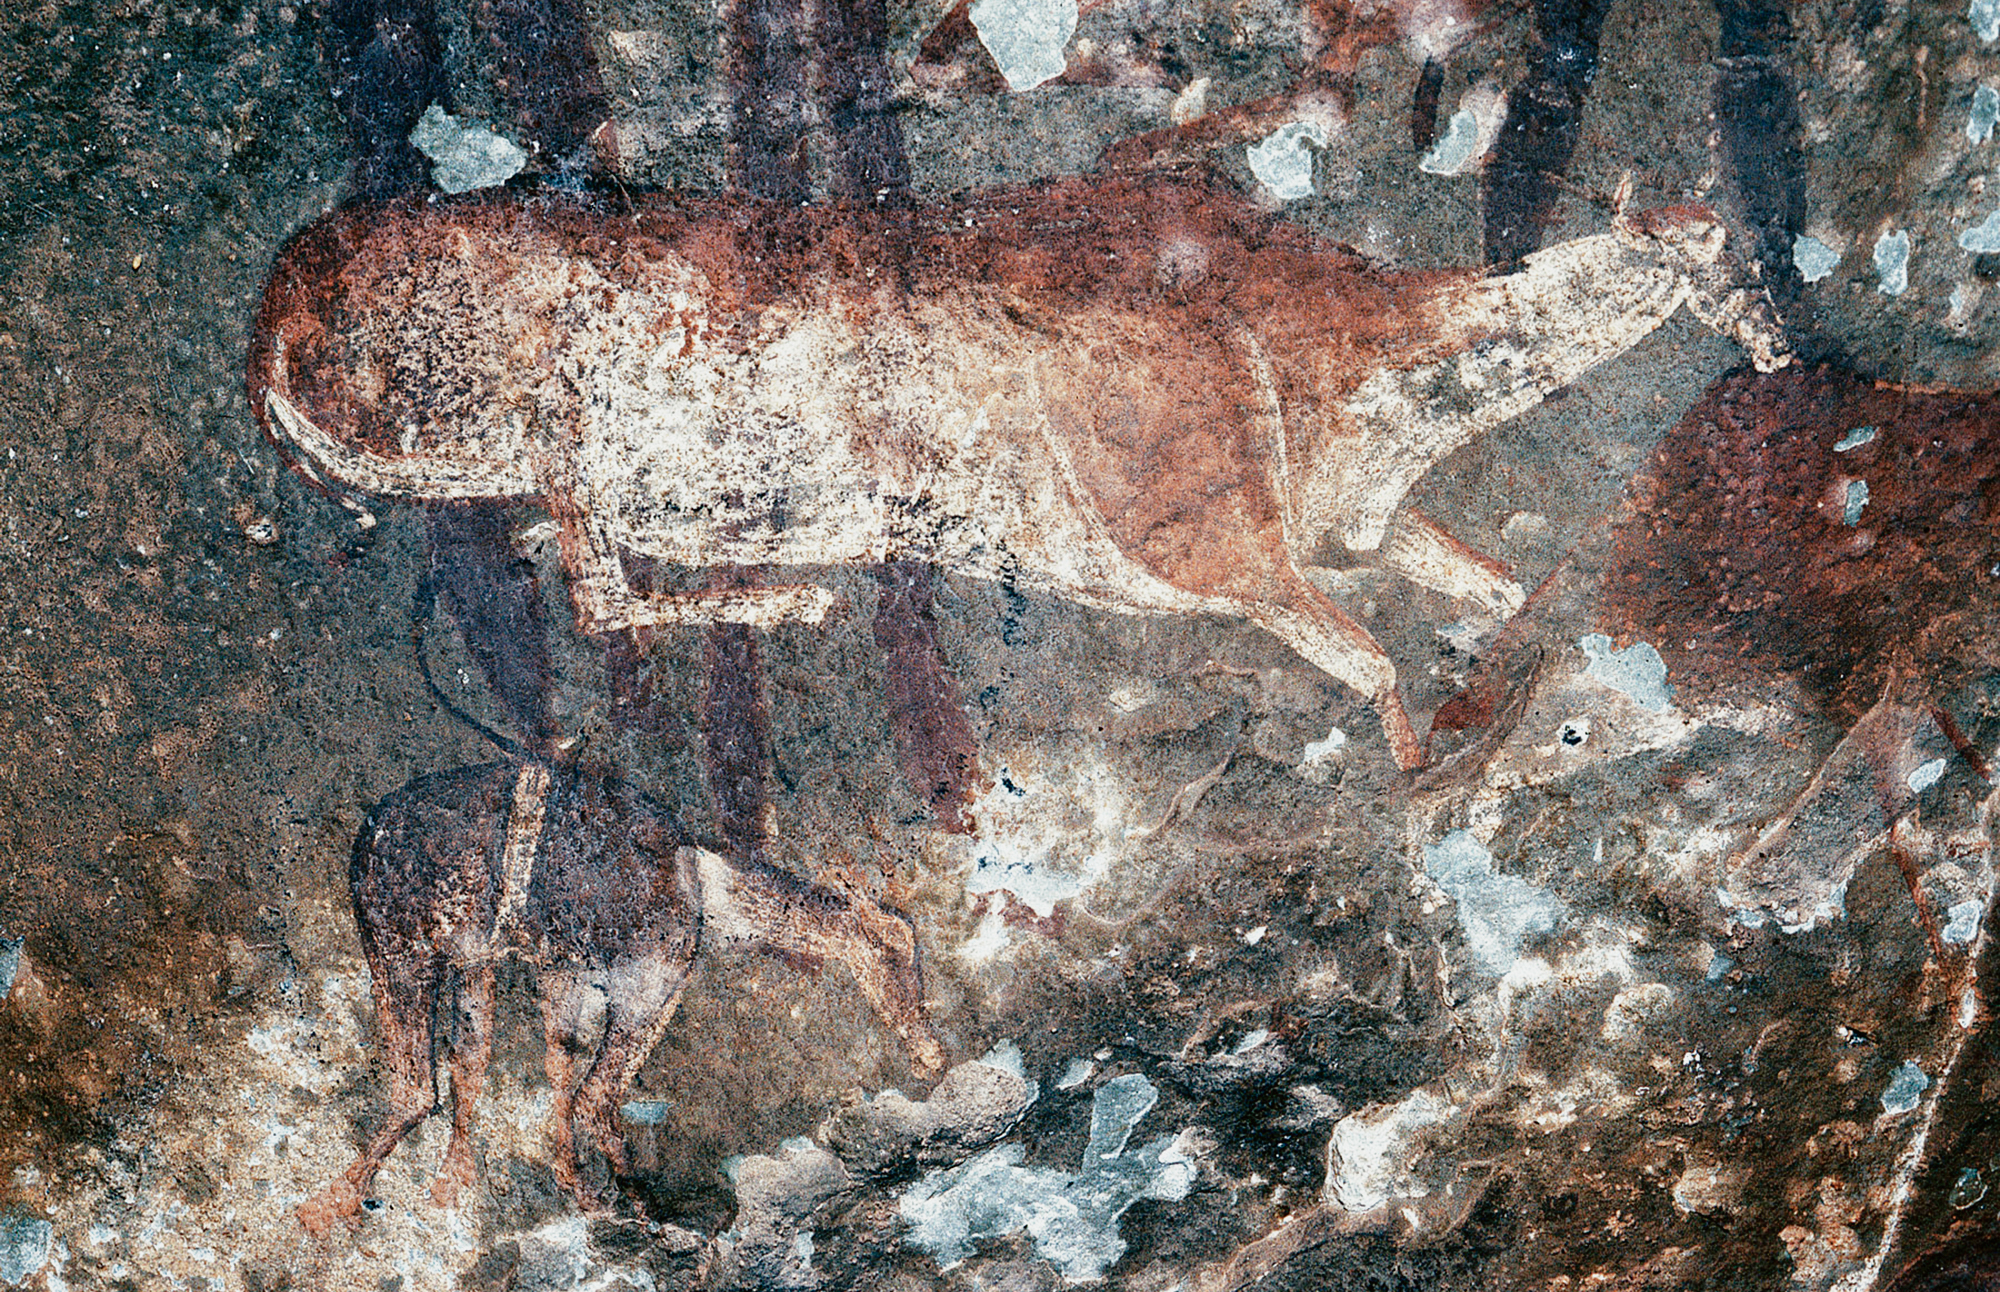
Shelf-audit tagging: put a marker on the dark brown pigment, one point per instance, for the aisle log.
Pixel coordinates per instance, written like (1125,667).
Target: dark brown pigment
(1739,564)
(1522,180)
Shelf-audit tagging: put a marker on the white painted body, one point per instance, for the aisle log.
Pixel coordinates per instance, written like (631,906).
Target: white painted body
(860,424)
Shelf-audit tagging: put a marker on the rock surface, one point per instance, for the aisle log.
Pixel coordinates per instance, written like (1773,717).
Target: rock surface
(1643,982)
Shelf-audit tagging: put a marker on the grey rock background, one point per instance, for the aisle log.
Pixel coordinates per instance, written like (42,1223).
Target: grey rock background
(207,677)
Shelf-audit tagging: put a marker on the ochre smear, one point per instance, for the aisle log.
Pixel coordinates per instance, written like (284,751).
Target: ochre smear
(1742,564)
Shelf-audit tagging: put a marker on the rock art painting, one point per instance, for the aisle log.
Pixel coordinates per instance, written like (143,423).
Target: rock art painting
(730,386)
(845,644)
(610,900)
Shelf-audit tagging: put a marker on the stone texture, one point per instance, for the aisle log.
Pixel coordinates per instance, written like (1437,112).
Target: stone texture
(1678,1081)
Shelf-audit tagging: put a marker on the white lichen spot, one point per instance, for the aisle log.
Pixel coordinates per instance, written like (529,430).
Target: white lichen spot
(1498,912)
(1985,112)
(990,939)
(560,1253)
(1637,671)
(1075,1073)
(1465,635)
(1071,1217)
(10,963)
(1030,832)
(1743,916)
(1963,297)
(1132,696)
(1256,935)
(1892,262)
(465,156)
(1005,1056)
(1906,1088)
(1962,920)
(1926,775)
(1982,237)
(646,1112)
(1525,527)
(1814,258)
(1853,499)
(1320,750)
(1454,149)
(1985,16)
(1367,1158)
(1283,163)
(1854,439)
(24,1246)
(1025,37)
(1470,133)
(1803,917)
(995,870)
(1433,28)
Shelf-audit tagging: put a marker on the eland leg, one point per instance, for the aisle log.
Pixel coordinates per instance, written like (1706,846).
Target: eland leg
(406,991)
(570,1000)
(471,1050)
(644,992)
(1311,624)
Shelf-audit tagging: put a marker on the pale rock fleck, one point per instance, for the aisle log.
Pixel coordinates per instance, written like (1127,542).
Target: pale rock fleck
(1071,1217)
(1367,1157)
(1815,260)
(1892,262)
(1283,163)
(1470,133)
(1854,500)
(1982,237)
(24,1246)
(1191,104)
(1030,827)
(1906,1089)
(1985,18)
(1498,912)
(465,155)
(1636,671)
(1962,920)
(1075,1073)
(1025,37)
(1985,112)
(1320,750)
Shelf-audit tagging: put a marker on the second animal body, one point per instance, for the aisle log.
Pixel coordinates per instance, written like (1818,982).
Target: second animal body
(1141,396)
(611,900)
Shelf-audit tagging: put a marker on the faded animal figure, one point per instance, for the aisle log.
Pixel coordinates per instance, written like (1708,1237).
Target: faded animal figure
(604,893)
(1141,396)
